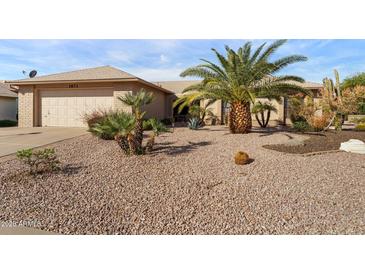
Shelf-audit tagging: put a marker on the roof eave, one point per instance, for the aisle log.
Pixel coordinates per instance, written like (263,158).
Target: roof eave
(27,83)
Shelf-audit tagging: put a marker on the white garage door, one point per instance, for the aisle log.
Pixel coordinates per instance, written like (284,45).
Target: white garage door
(66,108)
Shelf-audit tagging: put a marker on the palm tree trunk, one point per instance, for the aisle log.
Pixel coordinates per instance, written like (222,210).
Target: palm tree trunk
(132,144)
(267,118)
(240,120)
(138,134)
(150,143)
(123,143)
(263,118)
(258,120)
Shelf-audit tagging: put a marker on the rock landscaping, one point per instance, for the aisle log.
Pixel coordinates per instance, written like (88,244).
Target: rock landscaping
(317,142)
(189,184)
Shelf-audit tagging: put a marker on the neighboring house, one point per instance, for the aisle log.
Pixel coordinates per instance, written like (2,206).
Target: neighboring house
(220,110)
(8,103)
(62,99)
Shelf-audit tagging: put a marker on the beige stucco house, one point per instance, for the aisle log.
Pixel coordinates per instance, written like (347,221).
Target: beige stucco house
(62,99)
(220,110)
(8,103)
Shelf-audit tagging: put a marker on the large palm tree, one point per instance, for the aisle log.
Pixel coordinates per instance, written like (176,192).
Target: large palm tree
(137,101)
(240,77)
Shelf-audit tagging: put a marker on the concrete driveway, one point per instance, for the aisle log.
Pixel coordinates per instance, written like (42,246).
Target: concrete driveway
(13,138)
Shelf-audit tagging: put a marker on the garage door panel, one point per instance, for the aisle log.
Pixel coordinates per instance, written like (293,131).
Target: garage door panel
(66,108)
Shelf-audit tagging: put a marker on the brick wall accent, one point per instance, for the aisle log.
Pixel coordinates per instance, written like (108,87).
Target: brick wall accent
(25,106)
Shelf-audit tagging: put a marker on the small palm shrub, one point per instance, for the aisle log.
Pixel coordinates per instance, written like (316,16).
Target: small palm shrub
(301,126)
(157,128)
(39,161)
(118,126)
(260,108)
(194,123)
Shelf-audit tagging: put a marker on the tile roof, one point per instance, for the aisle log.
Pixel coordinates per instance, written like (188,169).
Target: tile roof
(97,73)
(179,86)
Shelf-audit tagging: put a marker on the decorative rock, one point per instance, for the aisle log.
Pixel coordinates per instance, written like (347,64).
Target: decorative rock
(353,145)
(241,158)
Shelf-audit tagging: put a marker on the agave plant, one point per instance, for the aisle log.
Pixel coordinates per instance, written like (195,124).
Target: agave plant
(240,77)
(259,109)
(194,123)
(201,112)
(137,101)
(157,128)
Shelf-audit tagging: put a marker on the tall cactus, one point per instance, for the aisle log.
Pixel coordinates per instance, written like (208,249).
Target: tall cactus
(332,93)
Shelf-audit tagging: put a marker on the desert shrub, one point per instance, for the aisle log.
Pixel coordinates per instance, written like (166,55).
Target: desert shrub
(318,123)
(301,126)
(39,161)
(360,127)
(95,117)
(295,105)
(358,120)
(8,123)
(194,123)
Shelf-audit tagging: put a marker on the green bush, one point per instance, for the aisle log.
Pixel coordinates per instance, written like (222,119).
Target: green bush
(39,161)
(301,126)
(360,127)
(8,123)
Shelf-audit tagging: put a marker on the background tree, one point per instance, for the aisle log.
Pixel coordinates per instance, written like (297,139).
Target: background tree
(260,108)
(353,81)
(239,78)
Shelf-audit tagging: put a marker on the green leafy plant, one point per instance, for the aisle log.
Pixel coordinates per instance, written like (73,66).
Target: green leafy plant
(136,102)
(157,128)
(118,126)
(95,117)
(260,109)
(239,78)
(301,126)
(39,161)
(353,81)
(194,123)
(201,113)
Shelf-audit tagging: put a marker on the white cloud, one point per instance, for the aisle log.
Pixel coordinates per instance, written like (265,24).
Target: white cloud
(164,59)
(157,74)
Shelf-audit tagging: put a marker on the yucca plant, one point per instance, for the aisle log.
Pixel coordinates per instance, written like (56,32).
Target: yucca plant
(260,108)
(157,128)
(137,101)
(239,78)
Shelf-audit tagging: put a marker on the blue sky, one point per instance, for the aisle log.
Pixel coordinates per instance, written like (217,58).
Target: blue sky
(156,60)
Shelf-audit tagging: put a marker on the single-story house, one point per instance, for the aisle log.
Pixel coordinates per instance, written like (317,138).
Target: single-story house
(8,103)
(220,110)
(62,99)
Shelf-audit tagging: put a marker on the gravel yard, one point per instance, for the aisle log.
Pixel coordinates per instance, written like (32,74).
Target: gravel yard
(190,185)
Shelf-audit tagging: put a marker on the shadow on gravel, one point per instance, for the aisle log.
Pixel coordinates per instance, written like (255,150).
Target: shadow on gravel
(176,150)
(70,169)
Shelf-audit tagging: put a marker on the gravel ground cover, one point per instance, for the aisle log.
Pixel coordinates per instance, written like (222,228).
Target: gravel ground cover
(189,185)
(326,141)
